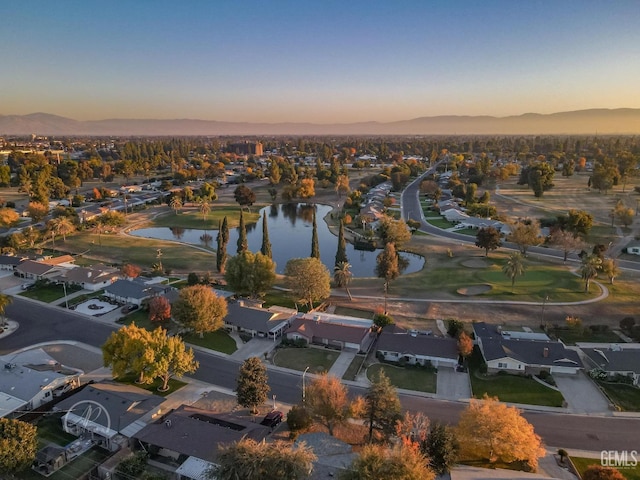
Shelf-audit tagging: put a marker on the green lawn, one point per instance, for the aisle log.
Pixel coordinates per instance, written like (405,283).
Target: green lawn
(282,299)
(50,431)
(510,388)
(440,222)
(77,468)
(141,251)
(192,218)
(354,366)
(318,360)
(219,341)
(581,463)
(353,312)
(141,319)
(571,336)
(48,293)
(627,397)
(174,385)
(409,378)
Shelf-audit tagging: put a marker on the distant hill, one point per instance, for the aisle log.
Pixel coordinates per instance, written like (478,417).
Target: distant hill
(585,122)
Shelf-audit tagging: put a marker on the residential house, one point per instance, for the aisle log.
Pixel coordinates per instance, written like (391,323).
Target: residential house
(193,433)
(108,411)
(30,379)
(417,349)
(37,270)
(616,359)
(135,291)
(257,322)
(523,352)
(341,333)
(10,262)
(91,278)
(66,261)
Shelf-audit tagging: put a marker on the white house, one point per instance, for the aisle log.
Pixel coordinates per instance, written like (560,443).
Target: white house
(616,359)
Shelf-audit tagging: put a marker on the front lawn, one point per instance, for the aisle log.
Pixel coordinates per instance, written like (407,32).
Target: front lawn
(220,341)
(319,360)
(174,385)
(408,378)
(440,222)
(627,397)
(48,293)
(141,318)
(581,464)
(510,388)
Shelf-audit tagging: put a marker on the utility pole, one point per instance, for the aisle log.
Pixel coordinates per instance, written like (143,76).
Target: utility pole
(303,385)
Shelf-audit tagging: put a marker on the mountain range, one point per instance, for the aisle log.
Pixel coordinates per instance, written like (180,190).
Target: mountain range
(580,122)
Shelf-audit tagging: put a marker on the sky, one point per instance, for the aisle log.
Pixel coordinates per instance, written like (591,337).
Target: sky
(321,61)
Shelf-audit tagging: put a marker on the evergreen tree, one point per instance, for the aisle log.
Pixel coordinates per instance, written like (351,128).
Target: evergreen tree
(266,244)
(315,246)
(221,250)
(341,253)
(382,407)
(252,388)
(243,244)
(441,448)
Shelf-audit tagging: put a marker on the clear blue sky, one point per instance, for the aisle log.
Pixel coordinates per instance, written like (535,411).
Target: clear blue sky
(316,61)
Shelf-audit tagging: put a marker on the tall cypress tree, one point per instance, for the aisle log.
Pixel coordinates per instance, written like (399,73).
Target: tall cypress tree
(266,244)
(243,244)
(221,251)
(341,253)
(315,247)
(225,231)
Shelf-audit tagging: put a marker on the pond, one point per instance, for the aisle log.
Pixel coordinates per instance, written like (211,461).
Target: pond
(290,229)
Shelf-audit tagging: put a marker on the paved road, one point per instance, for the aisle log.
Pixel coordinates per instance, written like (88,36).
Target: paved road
(42,323)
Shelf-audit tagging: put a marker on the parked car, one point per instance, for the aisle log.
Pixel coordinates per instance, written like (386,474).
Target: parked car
(27,286)
(129,308)
(272,419)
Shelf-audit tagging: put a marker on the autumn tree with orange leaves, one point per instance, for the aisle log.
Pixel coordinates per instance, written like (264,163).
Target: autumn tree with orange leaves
(490,430)
(159,309)
(465,345)
(130,270)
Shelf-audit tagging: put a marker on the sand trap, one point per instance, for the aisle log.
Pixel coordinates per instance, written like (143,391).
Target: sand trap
(475,263)
(474,290)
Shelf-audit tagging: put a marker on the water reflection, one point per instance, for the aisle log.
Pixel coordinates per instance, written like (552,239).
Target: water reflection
(290,235)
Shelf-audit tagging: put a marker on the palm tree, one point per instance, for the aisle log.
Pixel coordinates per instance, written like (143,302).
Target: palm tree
(5,301)
(205,208)
(591,265)
(342,276)
(514,267)
(63,226)
(175,203)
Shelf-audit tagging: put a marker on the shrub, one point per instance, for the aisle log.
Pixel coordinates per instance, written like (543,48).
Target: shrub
(297,343)
(299,418)
(627,323)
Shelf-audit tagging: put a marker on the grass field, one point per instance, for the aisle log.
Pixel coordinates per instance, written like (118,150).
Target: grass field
(140,251)
(409,378)
(219,341)
(48,293)
(440,223)
(581,464)
(572,336)
(624,396)
(510,388)
(353,312)
(192,218)
(318,360)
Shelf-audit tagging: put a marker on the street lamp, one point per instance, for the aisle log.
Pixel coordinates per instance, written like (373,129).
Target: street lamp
(64,289)
(303,387)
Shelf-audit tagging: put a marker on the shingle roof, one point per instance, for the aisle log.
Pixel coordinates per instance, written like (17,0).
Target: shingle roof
(256,319)
(627,360)
(132,289)
(531,352)
(90,274)
(34,268)
(10,260)
(419,345)
(196,432)
(331,331)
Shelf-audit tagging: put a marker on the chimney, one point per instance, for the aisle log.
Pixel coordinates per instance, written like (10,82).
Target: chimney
(545,352)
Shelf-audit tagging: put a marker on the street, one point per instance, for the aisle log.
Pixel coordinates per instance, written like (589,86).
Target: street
(41,323)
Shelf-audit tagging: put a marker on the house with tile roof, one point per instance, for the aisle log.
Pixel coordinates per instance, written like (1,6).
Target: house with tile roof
(403,347)
(523,352)
(616,359)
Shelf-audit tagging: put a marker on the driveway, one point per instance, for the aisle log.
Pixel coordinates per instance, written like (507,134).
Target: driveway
(256,347)
(581,393)
(452,385)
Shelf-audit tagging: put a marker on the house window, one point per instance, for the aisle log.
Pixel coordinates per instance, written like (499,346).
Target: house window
(502,365)
(47,394)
